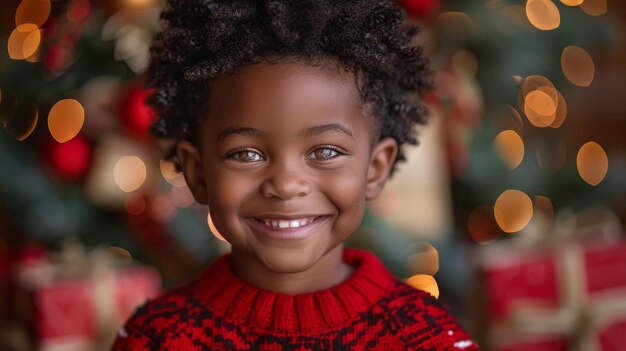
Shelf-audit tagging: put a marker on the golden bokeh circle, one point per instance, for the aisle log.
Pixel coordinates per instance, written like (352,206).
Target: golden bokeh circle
(129,173)
(213,229)
(594,7)
(513,210)
(561,111)
(24,41)
(540,107)
(169,173)
(510,147)
(32,11)
(543,14)
(482,226)
(572,2)
(577,66)
(66,119)
(424,259)
(424,282)
(592,163)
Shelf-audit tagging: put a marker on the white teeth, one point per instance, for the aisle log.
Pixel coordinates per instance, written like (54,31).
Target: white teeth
(294,223)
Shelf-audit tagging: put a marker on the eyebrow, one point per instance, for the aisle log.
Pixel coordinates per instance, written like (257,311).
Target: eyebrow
(324,128)
(330,127)
(239,130)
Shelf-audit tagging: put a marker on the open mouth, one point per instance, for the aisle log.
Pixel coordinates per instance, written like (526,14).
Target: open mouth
(287,223)
(288,228)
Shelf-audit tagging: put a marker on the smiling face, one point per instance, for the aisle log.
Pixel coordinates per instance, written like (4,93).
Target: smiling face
(286,162)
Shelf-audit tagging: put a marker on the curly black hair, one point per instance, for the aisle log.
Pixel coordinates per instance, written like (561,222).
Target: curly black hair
(204,39)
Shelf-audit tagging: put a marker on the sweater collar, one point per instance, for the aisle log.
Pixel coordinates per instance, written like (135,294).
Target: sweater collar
(234,299)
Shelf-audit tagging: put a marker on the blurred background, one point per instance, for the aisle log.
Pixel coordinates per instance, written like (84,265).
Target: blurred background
(512,209)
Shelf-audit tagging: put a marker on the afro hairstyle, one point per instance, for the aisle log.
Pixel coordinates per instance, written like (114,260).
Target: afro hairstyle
(204,39)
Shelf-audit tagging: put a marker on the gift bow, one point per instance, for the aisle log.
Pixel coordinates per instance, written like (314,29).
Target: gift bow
(580,316)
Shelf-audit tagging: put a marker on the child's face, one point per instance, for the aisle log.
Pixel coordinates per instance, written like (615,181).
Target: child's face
(286,144)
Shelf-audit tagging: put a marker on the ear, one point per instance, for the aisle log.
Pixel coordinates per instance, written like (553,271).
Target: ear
(191,163)
(381,161)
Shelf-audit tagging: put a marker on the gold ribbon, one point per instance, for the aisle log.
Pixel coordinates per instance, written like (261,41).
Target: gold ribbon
(579,316)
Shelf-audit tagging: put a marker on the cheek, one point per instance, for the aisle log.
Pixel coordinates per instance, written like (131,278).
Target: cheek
(227,193)
(347,192)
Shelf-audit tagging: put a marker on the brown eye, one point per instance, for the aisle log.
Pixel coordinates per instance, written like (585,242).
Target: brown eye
(324,153)
(246,156)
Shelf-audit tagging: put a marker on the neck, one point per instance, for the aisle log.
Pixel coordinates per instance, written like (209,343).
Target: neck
(329,271)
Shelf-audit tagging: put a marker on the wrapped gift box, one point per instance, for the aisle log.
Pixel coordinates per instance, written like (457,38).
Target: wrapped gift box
(57,310)
(571,296)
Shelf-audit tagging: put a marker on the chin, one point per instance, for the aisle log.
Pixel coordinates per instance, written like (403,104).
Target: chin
(289,262)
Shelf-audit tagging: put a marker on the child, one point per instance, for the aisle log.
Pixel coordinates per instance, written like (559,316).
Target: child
(288,116)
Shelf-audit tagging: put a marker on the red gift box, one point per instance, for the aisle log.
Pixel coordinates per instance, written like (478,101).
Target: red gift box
(78,312)
(569,297)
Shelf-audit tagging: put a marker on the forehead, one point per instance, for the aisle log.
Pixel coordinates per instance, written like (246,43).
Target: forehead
(288,91)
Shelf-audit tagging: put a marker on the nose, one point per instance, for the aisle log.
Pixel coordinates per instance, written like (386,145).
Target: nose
(285,183)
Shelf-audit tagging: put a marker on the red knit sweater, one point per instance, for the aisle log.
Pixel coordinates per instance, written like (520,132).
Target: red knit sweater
(371,310)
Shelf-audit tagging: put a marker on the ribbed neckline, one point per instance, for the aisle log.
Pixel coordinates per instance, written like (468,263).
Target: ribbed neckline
(236,300)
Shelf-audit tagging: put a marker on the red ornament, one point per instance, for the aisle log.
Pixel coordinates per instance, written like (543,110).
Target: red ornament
(419,8)
(70,159)
(137,114)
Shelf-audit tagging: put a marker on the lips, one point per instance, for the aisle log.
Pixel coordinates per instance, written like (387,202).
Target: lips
(296,227)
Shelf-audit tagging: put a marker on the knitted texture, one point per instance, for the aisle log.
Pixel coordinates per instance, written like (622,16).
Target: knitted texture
(371,310)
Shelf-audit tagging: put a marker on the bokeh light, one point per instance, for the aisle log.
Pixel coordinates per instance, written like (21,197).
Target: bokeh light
(424,259)
(32,11)
(551,157)
(129,173)
(162,209)
(22,123)
(24,41)
(135,204)
(79,10)
(465,61)
(510,147)
(212,227)
(513,210)
(592,163)
(540,106)
(594,7)
(561,111)
(169,173)
(577,66)
(65,120)
(457,24)
(543,14)
(119,253)
(482,226)
(425,283)
(572,2)
(181,196)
